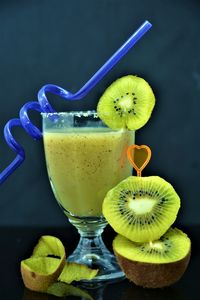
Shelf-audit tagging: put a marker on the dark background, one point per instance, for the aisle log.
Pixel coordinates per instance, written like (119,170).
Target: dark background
(65,42)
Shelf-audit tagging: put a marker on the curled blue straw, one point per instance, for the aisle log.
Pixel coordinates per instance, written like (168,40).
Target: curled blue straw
(43,104)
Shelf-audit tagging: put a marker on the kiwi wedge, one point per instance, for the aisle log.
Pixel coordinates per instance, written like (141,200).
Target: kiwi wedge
(40,271)
(47,266)
(141,208)
(154,264)
(127,103)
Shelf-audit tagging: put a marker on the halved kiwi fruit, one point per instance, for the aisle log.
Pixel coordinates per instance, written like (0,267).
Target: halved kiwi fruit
(127,103)
(154,264)
(141,208)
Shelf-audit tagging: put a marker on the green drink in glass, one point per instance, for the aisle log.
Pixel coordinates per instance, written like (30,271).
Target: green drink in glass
(85,159)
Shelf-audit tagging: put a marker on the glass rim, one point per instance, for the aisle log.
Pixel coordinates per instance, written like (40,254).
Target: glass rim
(71,112)
(77,113)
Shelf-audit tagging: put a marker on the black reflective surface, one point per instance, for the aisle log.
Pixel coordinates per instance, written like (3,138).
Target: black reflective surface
(17,243)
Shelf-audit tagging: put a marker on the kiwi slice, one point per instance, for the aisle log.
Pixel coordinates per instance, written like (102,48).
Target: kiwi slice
(141,208)
(155,264)
(127,103)
(76,272)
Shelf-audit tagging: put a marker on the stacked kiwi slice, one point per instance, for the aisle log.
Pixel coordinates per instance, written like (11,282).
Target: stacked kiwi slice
(142,209)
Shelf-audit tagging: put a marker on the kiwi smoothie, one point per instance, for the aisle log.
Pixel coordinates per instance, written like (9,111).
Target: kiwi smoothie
(84,164)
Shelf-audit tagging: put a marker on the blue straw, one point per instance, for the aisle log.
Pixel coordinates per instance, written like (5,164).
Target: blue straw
(43,104)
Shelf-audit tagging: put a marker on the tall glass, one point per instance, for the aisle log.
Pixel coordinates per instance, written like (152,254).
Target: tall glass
(85,159)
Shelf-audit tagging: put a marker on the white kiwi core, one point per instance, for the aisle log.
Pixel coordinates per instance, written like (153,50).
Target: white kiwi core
(156,245)
(126,103)
(142,205)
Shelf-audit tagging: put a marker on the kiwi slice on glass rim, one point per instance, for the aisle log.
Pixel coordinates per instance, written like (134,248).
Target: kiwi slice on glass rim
(127,103)
(141,208)
(154,264)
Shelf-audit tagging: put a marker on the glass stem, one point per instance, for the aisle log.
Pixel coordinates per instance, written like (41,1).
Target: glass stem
(92,251)
(91,246)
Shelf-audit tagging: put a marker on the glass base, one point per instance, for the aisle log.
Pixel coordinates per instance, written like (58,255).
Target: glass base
(92,251)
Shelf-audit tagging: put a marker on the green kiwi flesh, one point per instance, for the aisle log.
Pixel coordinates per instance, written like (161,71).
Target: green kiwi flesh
(141,208)
(157,264)
(127,103)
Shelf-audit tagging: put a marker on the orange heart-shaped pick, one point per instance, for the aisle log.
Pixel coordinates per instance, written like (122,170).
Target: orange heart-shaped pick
(139,157)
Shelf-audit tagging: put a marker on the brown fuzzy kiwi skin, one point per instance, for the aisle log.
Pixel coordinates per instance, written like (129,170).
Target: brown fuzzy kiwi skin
(38,282)
(149,275)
